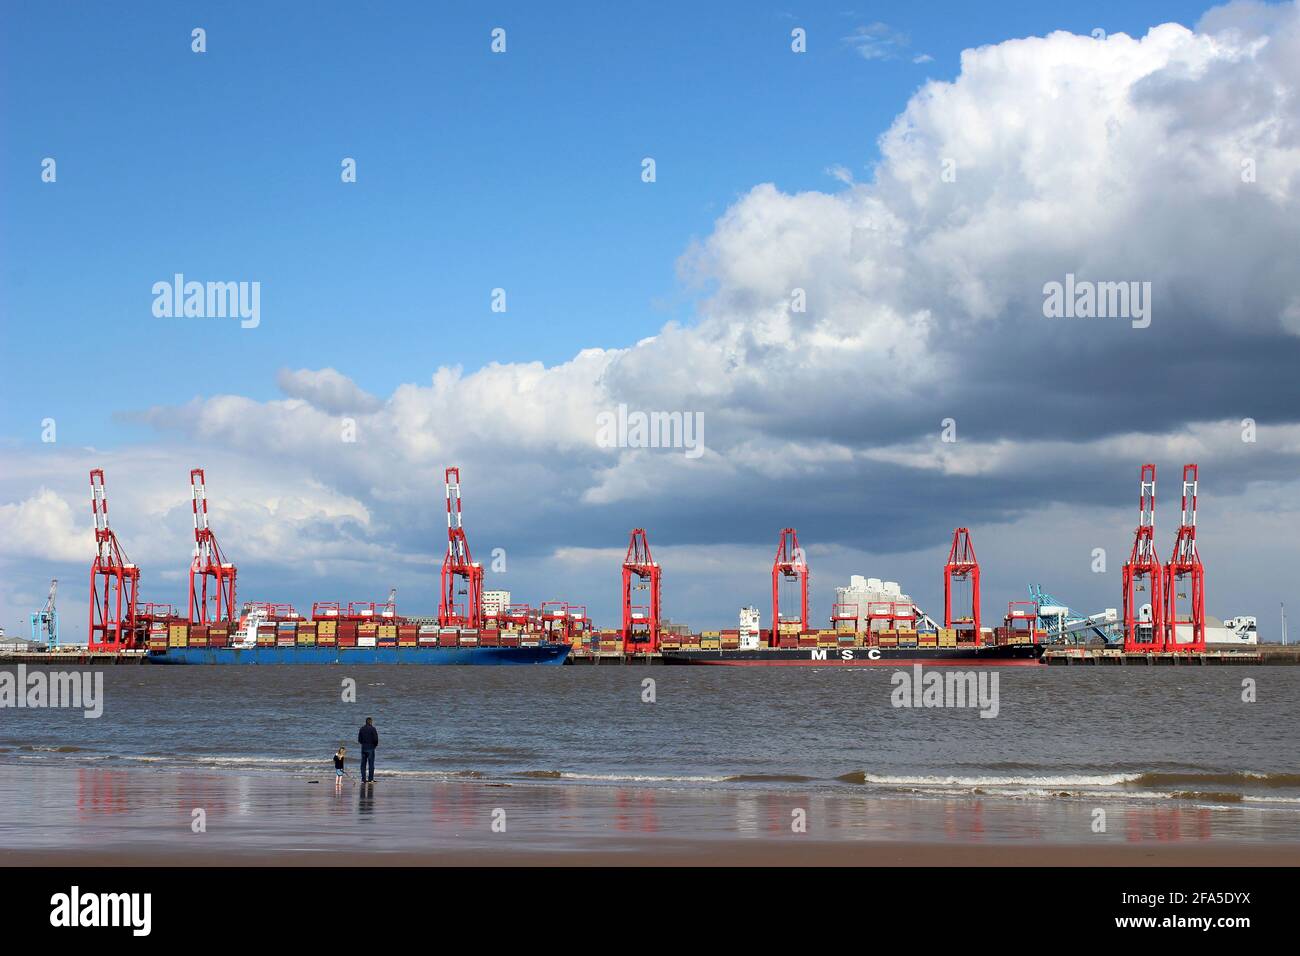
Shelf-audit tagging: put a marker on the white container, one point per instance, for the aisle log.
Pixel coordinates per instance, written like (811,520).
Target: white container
(365,642)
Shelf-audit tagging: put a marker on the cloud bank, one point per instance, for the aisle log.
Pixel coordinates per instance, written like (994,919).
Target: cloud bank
(837,334)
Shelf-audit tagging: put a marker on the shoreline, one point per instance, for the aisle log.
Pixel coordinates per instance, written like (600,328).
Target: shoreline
(744,853)
(79,816)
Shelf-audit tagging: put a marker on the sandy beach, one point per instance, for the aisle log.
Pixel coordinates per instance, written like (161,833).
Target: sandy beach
(668,853)
(59,816)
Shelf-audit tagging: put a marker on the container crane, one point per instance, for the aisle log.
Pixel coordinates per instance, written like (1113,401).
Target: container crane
(1185,570)
(461,576)
(114,581)
(215,603)
(790,565)
(640,621)
(962,567)
(1142,572)
(45,622)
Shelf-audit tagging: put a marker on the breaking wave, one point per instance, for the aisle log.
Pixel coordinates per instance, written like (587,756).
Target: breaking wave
(1046,780)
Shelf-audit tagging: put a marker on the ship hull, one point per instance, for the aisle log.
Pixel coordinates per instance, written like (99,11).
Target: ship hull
(542,654)
(1001,656)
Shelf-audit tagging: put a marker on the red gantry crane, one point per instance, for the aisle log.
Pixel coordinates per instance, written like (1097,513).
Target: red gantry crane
(208,605)
(962,567)
(790,565)
(640,621)
(461,576)
(1142,573)
(113,581)
(1186,571)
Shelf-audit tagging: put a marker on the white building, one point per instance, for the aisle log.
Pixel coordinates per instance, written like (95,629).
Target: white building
(495,603)
(749,628)
(862,591)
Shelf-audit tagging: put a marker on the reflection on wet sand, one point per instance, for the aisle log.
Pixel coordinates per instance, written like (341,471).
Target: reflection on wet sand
(135,809)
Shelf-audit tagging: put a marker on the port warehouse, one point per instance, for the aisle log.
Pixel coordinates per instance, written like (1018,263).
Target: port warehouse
(878,616)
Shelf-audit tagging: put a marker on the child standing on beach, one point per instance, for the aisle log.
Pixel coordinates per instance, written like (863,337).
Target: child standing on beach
(339,757)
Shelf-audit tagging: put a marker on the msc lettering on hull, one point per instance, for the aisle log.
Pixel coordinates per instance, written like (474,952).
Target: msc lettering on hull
(846,653)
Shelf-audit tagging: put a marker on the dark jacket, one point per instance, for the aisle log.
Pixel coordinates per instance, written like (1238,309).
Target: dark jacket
(368,737)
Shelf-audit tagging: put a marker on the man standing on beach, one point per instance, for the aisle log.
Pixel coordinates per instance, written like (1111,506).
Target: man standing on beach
(368,738)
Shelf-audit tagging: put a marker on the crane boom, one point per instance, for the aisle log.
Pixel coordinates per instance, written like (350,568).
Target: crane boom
(212,577)
(113,581)
(461,576)
(1142,572)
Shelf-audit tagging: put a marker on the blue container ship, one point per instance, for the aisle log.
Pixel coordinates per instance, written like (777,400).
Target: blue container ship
(262,637)
(542,653)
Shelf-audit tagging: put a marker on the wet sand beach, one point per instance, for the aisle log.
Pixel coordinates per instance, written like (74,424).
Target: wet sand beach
(93,817)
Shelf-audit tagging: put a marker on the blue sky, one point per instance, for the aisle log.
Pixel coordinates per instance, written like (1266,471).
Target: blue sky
(1117,158)
(475,171)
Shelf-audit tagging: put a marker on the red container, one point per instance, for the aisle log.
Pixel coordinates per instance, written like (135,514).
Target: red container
(489,637)
(347,636)
(788,640)
(448,640)
(509,640)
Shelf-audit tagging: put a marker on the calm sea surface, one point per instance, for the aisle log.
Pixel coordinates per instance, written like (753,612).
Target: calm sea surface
(1180,734)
